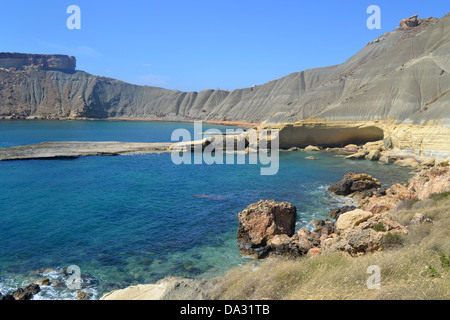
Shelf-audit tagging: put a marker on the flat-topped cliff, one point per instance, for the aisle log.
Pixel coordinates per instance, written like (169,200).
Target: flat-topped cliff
(26,61)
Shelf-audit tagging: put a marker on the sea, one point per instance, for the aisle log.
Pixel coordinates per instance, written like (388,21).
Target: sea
(135,219)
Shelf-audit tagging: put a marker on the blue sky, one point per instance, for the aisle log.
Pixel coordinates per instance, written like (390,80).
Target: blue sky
(192,45)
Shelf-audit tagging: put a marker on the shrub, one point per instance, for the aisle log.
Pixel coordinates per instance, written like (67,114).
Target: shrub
(440,196)
(430,271)
(445,262)
(379,227)
(392,240)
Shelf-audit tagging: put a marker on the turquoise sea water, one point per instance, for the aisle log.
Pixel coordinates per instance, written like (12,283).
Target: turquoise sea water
(134,219)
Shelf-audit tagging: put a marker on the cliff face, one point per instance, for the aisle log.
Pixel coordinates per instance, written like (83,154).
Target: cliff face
(26,61)
(401,77)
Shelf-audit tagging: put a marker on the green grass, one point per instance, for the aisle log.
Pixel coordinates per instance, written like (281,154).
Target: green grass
(379,227)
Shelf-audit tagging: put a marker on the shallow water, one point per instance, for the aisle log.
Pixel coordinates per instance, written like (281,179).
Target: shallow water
(135,219)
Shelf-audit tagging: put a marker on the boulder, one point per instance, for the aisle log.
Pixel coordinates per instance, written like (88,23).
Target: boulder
(407,162)
(419,219)
(169,288)
(312,148)
(335,213)
(429,162)
(410,22)
(351,219)
(353,182)
(387,159)
(363,241)
(83,295)
(27,292)
(363,237)
(260,222)
(43,282)
(374,155)
(6,297)
(389,200)
(360,155)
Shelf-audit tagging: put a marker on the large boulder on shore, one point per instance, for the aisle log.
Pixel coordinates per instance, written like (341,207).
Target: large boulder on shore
(351,219)
(260,222)
(353,182)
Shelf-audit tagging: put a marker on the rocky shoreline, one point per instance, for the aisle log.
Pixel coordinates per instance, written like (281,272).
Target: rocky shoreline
(266,230)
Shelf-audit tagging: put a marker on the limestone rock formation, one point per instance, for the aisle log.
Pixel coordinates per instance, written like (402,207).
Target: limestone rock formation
(351,219)
(429,182)
(410,22)
(260,222)
(169,288)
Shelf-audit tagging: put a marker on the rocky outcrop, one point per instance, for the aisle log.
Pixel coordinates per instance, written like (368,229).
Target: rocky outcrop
(422,186)
(169,288)
(335,213)
(26,61)
(26,293)
(356,230)
(410,22)
(365,233)
(265,222)
(429,182)
(355,183)
(75,149)
(351,219)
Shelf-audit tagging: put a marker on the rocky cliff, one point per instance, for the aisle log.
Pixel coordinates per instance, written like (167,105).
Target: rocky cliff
(26,61)
(400,78)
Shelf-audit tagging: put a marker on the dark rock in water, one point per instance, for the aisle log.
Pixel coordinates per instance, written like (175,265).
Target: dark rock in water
(83,295)
(43,282)
(260,222)
(207,196)
(27,292)
(6,297)
(335,213)
(353,182)
(318,223)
